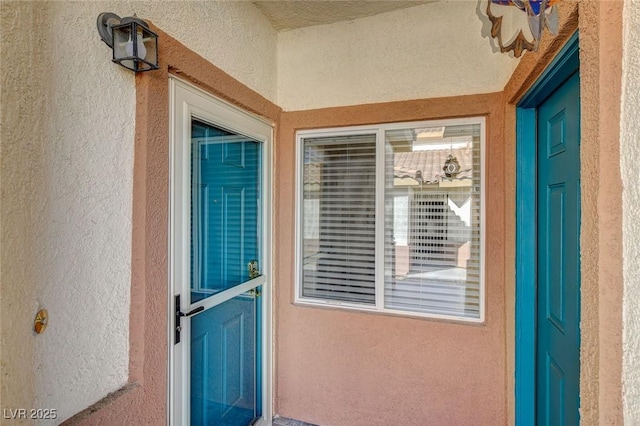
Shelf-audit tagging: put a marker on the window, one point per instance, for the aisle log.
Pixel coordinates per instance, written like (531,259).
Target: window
(390,218)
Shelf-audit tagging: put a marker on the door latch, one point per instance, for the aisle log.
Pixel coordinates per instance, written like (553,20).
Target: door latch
(180,314)
(254,272)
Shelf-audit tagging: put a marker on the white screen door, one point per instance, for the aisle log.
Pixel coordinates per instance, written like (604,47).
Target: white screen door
(220,262)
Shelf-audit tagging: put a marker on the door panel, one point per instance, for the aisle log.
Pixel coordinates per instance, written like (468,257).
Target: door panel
(225,182)
(223,364)
(558,327)
(225,209)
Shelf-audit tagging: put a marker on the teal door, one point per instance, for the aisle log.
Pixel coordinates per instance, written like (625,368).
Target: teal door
(225,255)
(558,254)
(220,233)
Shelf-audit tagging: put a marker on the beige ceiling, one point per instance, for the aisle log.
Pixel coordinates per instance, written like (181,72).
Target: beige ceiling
(287,15)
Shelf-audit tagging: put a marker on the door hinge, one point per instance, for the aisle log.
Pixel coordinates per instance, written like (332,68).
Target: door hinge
(180,314)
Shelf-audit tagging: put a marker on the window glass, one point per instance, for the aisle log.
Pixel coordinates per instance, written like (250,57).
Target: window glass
(432,264)
(417,209)
(339,218)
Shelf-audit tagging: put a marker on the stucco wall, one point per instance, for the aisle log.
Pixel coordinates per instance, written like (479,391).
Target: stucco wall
(630,152)
(233,35)
(67,181)
(339,367)
(433,50)
(20,136)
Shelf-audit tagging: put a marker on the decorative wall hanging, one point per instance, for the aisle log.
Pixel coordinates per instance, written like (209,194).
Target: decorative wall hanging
(540,14)
(451,167)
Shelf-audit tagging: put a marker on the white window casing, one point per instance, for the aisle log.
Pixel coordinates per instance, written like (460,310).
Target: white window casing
(390,218)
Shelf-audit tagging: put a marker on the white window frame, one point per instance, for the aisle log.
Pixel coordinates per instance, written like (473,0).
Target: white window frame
(379,130)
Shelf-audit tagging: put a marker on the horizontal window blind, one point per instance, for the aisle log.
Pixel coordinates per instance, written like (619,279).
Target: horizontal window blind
(432,263)
(339,176)
(429,231)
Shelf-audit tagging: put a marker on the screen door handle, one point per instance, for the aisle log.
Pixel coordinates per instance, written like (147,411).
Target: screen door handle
(180,314)
(192,312)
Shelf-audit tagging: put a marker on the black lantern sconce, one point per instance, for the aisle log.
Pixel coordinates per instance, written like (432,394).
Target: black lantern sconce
(134,45)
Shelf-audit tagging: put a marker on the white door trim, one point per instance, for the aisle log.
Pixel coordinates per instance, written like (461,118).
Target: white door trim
(186,101)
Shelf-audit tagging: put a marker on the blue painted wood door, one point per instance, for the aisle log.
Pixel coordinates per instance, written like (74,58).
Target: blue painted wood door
(225,377)
(558,290)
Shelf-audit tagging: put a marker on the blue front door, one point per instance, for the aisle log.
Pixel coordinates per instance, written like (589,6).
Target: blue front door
(220,260)
(558,253)
(225,258)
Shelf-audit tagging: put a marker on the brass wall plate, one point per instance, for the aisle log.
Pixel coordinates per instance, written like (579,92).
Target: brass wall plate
(40,323)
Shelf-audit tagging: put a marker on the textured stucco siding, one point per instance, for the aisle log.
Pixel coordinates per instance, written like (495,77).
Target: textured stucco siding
(232,35)
(68,123)
(381,370)
(83,251)
(600,26)
(630,150)
(414,53)
(21,131)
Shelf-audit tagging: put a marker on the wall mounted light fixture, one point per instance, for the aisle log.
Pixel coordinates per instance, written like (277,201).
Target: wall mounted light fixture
(134,45)
(541,14)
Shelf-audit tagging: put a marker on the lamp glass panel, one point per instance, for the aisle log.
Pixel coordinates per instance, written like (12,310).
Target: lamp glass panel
(123,42)
(151,45)
(135,47)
